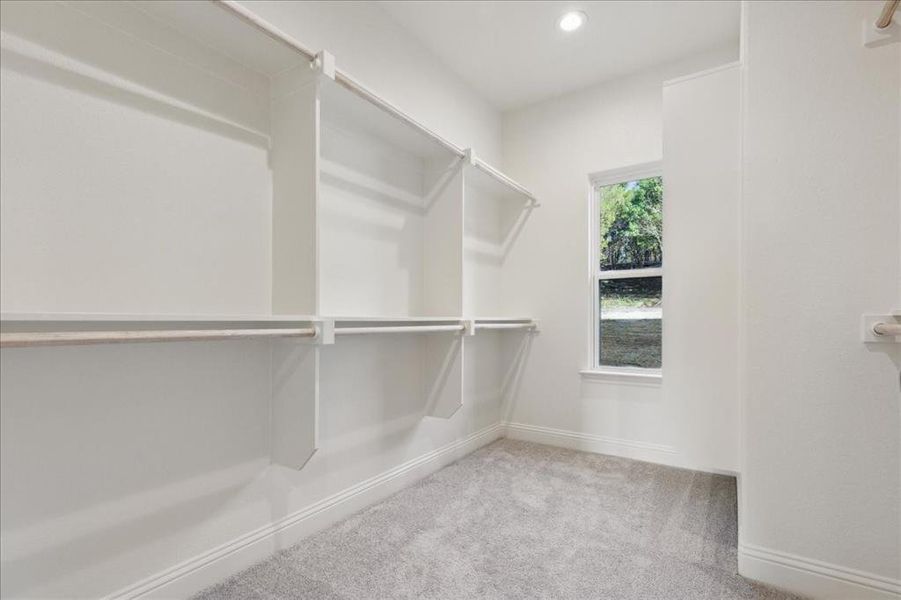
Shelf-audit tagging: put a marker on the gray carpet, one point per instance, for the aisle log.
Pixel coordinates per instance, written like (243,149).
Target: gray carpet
(520,520)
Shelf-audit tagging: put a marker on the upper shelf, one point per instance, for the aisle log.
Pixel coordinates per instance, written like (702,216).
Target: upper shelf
(344,101)
(347,105)
(232,30)
(385,319)
(231,39)
(207,48)
(486,178)
(237,32)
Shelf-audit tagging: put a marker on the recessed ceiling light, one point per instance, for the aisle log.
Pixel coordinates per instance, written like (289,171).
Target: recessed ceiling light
(572,20)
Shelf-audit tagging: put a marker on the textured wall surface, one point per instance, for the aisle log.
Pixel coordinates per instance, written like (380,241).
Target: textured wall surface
(820,210)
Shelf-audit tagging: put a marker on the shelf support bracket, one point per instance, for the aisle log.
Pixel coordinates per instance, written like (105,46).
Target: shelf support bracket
(469,327)
(324,63)
(443,361)
(294,409)
(325,332)
(470,157)
(294,405)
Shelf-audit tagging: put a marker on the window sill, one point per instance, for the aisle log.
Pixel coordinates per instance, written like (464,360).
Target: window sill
(651,377)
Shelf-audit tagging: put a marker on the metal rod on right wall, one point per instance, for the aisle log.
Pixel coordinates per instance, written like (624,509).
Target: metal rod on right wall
(887,329)
(888,11)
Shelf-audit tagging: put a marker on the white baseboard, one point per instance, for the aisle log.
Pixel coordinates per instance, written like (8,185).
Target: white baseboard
(645,451)
(798,574)
(219,563)
(813,578)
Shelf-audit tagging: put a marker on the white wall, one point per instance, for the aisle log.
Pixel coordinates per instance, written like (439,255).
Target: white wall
(122,464)
(552,147)
(821,413)
(701,162)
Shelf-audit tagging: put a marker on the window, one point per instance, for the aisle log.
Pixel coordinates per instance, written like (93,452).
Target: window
(627,265)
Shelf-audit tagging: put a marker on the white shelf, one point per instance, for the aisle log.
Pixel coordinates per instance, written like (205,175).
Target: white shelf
(245,223)
(103,318)
(503,319)
(73,329)
(237,31)
(358,110)
(215,25)
(100,318)
(387,319)
(348,105)
(443,319)
(489,180)
(118,336)
(121,325)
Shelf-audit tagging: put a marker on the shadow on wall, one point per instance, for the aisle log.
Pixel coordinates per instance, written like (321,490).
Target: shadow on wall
(103,447)
(110,529)
(891,352)
(492,227)
(99,60)
(515,356)
(138,100)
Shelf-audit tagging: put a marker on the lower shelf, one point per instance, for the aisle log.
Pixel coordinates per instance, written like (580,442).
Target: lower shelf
(296,346)
(23,330)
(77,338)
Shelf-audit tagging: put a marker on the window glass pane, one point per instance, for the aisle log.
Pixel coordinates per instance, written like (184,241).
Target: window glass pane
(631,224)
(631,320)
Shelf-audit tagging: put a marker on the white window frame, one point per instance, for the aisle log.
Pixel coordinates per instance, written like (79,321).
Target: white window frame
(599,180)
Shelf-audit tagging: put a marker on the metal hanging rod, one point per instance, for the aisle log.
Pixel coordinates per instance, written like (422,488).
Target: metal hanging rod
(887,329)
(888,11)
(398,329)
(77,338)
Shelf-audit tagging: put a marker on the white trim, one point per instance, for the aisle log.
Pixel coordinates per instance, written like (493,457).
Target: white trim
(594,218)
(624,174)
(660,454)
(630,273)
(596,180)
(195,574)
(813,578)
(742,386)
(732,65)
(598,444)
(631,376)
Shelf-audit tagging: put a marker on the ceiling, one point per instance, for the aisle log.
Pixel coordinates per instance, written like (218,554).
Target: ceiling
(514,54)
